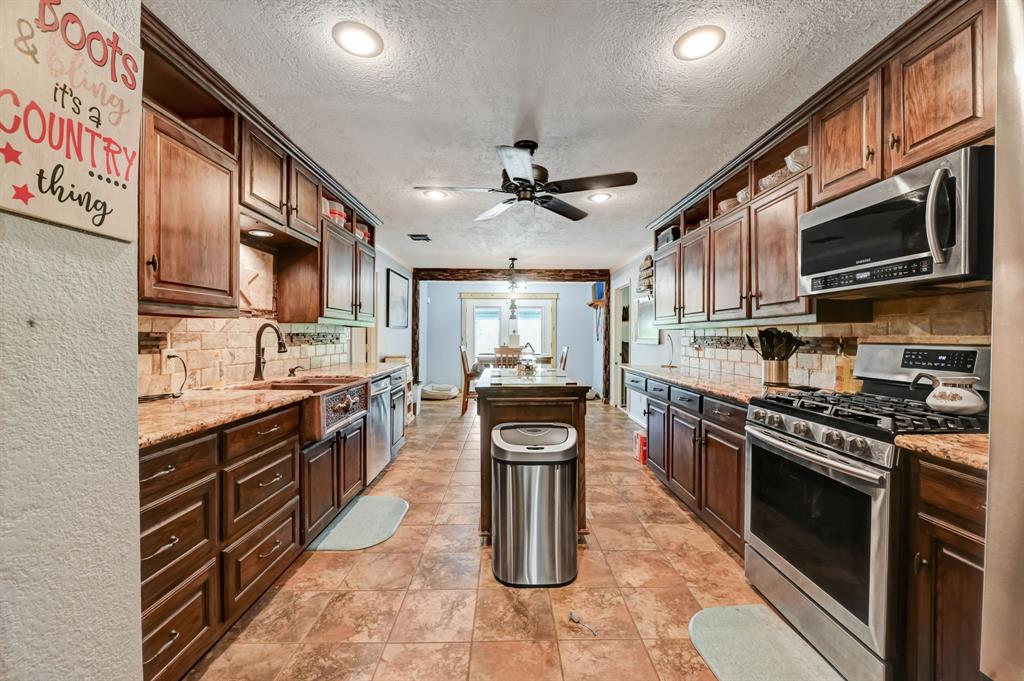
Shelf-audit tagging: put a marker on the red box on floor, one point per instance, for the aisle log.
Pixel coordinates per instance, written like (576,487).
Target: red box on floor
(640,448)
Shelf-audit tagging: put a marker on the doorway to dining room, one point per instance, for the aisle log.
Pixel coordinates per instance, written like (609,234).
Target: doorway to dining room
(620,332)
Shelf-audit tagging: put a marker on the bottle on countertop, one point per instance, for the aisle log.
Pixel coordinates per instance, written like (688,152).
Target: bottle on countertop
(845,381)
(218,367)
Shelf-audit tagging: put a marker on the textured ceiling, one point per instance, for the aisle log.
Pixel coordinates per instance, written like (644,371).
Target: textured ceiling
(594,81)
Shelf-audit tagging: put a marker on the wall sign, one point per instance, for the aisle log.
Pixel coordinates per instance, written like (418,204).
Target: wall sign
(70,117)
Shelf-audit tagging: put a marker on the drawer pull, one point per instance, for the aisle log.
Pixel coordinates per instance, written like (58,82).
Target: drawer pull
(277,545)
(919,563)
(268,432)
(270,482)
(173,634)
(718,412)
(166,547)
(167,470)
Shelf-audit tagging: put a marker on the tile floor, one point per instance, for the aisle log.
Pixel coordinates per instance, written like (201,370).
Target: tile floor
(423,606)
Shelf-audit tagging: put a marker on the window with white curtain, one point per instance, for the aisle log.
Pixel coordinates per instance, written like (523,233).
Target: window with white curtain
(486,328)
(487,322)
(531,328)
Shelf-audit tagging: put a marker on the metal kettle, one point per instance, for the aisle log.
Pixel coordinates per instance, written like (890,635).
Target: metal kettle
(953,394)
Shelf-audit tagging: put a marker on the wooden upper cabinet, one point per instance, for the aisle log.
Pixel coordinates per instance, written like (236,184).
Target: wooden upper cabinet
(304,200)
(366,299)
(264,175)
(666,286)
(339,273)
(693,276)
(774,235)
(730,267)
(188,234)
(943,87)
(846,136)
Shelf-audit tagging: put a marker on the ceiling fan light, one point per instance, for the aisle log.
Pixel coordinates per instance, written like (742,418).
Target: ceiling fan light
(357,39)
(699,42)
(435,195)
(600,197)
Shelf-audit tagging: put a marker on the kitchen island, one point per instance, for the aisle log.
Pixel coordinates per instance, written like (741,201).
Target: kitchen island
(504,396)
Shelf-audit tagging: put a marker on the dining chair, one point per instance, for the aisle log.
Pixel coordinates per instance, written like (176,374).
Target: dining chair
(563,358)
(506,356)
(468,376)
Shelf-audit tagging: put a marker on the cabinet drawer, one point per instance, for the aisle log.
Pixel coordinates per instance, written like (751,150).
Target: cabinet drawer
(178,629)
(659,390)
(684,398)
(636,382)
(179,533)
(955,492)
(260,432)
(257,486)
(167,467)
(258,558)
(723,413)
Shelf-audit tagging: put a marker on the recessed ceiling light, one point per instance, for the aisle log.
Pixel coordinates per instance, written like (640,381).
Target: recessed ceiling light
(699,42)
(357,39)
(260,233)
(600,197)
(436,195)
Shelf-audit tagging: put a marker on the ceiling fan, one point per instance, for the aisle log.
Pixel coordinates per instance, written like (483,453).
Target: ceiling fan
(529,182)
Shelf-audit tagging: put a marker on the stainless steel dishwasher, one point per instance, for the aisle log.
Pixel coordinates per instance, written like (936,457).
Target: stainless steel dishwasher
(378,436)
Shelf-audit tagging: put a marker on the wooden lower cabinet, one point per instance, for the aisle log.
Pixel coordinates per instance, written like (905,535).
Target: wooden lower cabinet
(721,472)
(179,628)
(352,451)
(320,490)
(945,574)
(657,442)
(684,456)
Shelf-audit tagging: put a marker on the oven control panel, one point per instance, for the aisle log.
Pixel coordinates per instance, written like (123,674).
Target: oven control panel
(960,361)
(874,275)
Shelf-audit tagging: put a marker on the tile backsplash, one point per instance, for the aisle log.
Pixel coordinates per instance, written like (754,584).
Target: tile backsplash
(950,318)
(198,339)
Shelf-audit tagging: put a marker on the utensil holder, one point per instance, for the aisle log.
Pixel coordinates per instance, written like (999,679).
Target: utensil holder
(775,372)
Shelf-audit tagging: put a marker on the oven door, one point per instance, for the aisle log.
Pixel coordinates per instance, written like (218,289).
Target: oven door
(823,520)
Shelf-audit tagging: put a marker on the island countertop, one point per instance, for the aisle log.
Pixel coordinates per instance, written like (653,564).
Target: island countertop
(494,379)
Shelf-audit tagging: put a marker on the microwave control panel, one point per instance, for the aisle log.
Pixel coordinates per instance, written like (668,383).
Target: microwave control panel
(874,275)
(961,361)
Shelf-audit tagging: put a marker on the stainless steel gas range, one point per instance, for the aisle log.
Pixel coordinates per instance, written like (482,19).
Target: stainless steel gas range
(824,496)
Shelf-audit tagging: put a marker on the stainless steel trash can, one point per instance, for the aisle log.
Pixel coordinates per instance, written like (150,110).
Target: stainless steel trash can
(534,503)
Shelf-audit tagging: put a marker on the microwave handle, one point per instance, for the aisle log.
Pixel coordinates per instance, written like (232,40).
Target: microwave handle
(930,229)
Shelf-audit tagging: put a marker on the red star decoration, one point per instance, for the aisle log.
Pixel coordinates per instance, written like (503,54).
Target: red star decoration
(10,154)
(22,193)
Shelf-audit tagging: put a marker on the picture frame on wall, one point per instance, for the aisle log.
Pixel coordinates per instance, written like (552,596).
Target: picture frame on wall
(397,300)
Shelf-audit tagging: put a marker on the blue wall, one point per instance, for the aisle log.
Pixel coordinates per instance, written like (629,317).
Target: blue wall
(441,315)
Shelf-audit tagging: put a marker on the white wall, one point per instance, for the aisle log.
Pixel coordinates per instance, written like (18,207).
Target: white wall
(69,490)
(442,313)
(391,341)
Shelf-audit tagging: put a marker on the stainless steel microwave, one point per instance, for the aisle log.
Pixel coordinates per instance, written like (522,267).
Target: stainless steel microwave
(929,224)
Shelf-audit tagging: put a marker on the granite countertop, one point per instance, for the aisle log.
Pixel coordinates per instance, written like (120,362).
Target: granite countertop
(510,378)
(703,383)
(969,449)
(199,410)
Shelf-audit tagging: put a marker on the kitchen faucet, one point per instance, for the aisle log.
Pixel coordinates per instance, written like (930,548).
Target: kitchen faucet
(261,361)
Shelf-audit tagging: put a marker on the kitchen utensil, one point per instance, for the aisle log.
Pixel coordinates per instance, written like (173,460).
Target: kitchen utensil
(775,372)
(753,346)
(574,617)
(953,394)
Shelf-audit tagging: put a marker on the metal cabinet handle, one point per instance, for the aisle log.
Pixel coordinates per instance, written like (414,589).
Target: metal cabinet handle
(868,153)
(174,634)
(154,262)
(894,140)
(166,547)
(167,470)
(718,412)
(919,563)
(277,545)
(268,432)
(270,482)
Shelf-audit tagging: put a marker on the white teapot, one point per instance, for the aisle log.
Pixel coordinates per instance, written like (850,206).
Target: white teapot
(953,394)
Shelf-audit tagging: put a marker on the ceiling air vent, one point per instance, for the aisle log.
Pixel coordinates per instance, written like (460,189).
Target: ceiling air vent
(420,237)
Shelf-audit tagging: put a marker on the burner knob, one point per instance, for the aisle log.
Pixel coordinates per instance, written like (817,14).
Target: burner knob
(801,428)
(858,445)
(834,438)
(759,414)
(774,420)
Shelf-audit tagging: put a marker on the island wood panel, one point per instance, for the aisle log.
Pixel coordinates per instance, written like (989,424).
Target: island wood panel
(730,267)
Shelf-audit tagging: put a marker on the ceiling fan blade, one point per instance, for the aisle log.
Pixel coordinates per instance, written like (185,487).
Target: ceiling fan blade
(559,206)
(580,184)
(518,163)
(495,211)
(459,189)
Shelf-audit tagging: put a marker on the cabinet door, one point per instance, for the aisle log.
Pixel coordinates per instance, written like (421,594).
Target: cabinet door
(945,619)
(397,417)
(264,174)
(846,136)
(320,488)
(366,259)
(304,200)
(683,464)
(730,267)
(188,234)
(721,469)
(657,442)
(352,447)
(943,86)
(774,234)
(693,278)
(338,272)
(666,286)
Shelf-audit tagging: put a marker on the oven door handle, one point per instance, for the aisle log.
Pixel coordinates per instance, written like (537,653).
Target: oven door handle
(930,228)
(853,471)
